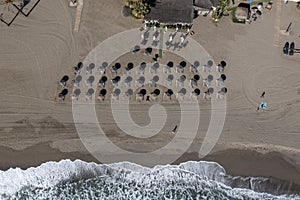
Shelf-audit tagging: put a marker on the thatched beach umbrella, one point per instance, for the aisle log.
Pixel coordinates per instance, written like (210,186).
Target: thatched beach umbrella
(115,68)
(224,90)
(90,93)
(208,80)
(116,93)
(103,67)
(207,66)
(196,63)
(79,65)
(128,68)
(140,82)
(141,68)
(127,81)
(210,63)
(135,49)
(170,64)
(129,92)
(169,79)
(143,92)
(90,80)
(221,66)
(223,77)
(153,81)
(116,80)
(63,94)
(148,50)
(102,81)
(182,64)
(180,81)
(154,68)
(76,93)
(197,91)
(169,92)
(156,92)
(182,91)
(196,77)
(167,68)
(76,81)
(63,80)
(89,68)
(102,94)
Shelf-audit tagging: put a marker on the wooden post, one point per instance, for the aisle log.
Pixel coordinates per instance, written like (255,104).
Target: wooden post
(78,15)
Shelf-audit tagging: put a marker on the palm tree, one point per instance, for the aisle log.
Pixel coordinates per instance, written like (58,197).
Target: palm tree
(221,9)
(138,8)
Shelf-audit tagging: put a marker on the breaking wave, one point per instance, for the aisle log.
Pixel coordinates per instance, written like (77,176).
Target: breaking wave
(190,180)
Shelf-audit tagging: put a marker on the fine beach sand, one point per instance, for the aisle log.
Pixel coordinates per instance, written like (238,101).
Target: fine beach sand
(37,51)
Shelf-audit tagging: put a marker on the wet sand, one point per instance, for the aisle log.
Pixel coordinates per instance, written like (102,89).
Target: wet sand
(40,49)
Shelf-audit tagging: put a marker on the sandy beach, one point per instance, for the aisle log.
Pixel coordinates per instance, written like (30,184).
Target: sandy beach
(37,51)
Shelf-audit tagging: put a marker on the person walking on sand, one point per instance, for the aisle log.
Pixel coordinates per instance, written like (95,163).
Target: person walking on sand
(263,95)
(174,129)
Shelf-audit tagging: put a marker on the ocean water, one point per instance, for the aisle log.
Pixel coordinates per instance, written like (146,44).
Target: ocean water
(191,180)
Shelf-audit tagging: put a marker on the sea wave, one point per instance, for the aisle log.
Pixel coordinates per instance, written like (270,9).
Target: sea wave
(190,180)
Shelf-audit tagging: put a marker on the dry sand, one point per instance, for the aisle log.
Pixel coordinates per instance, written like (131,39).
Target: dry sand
(37,51)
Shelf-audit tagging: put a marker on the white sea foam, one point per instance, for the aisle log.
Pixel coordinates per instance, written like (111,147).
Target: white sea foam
(192,179)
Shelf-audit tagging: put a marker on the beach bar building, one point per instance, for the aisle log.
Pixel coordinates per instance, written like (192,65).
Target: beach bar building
(172,12)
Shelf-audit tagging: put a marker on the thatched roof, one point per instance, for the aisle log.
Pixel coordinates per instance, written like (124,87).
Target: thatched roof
(243,11)
(172,11)
(206,4)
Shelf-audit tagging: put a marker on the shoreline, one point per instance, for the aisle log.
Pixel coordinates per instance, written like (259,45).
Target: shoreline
(236,162)
(31,66)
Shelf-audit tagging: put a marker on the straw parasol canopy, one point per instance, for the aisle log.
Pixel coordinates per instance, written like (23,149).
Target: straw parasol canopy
(182,91)
(223,63)
(210,78)
(169,92)
(129,67)
(156,92)
(196,77)
(117,92)
(149,50)
(143,92)
(104,64)
(196,63)
(79,65)
(128,79)
(155,79)
(90,92)
(64,92)
(65,78)
(90,80)
(129,92)
(116,79)
(141,80)
(170,64)
(182,64)
(103,79)
(77,92)
(91,66)
(224,90)
(223,77)
(210,63)
(103,92)
(210,90)
(197,91)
